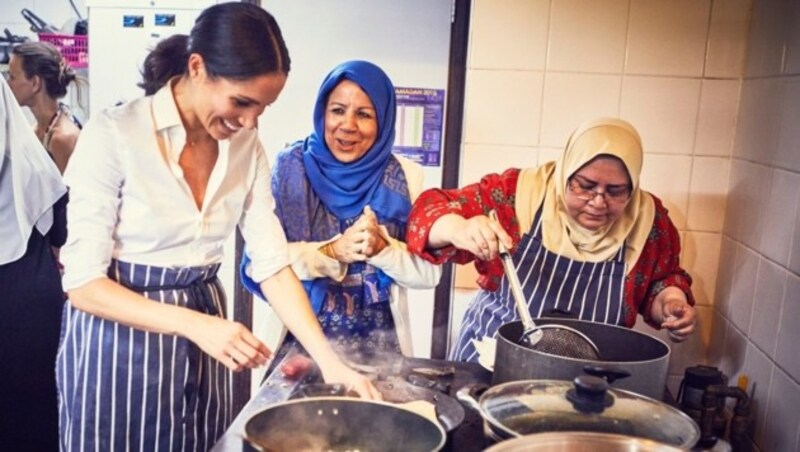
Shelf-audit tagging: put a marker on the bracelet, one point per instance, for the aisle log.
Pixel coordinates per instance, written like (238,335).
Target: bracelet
(327,249)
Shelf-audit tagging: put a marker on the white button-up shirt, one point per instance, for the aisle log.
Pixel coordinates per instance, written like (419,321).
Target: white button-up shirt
(129,200)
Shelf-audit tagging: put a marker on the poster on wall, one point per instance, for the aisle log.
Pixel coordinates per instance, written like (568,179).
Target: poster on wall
(418,128)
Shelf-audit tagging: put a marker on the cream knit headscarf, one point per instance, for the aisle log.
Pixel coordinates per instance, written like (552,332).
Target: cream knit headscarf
(545,186)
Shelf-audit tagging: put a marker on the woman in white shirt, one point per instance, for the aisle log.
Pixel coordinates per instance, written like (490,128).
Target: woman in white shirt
(343,199)
(157,185)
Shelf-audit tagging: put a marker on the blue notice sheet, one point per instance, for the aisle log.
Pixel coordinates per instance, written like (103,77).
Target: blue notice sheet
(418,130)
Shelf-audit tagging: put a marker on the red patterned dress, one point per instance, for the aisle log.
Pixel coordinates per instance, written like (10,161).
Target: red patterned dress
(657,267)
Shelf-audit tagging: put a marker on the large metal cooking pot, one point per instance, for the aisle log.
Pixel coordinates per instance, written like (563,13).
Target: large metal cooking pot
(580,442)
(342,424)
(587,404)
(622,352)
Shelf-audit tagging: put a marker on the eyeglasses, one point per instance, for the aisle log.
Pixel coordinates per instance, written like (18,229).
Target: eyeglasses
(612,194)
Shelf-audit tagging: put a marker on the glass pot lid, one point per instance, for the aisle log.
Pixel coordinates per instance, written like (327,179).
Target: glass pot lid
(586,404)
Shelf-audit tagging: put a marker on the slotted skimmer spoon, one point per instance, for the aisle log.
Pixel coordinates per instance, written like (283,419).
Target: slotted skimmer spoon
(554,339)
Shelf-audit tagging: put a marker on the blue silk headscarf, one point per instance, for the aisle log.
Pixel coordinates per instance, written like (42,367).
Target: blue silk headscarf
(340,191)
(345,188)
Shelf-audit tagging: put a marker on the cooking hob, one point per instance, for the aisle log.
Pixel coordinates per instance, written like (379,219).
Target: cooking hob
(277,388)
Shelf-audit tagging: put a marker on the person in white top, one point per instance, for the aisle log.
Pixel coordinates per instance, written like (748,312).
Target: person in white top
(157,185)
(343,199)
(33,219)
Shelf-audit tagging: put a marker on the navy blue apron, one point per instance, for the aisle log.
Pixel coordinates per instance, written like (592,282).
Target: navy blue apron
(124,389)
(554,286)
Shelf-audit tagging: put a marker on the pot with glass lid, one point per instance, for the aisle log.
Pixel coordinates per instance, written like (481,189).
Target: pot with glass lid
(586,404)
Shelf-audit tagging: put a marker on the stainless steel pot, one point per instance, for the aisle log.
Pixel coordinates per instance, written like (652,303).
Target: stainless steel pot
(586,405)
(622,352)
(580,442)
(342,423)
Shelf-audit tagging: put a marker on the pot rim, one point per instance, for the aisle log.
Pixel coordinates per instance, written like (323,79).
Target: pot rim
(515,345)
(497,426)
(552,438)
(345,399)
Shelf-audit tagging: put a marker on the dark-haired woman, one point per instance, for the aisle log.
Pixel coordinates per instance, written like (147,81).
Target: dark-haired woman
(159,185)
(39,77)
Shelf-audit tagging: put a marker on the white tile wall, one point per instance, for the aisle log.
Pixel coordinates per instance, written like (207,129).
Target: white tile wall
(727,38)
(599,46)
(794,259)
(782,421)
(550,154)
(502,107)
(749,188)
(509,34)
(789,329)
(668,176)
(733,350)
(767,302)
(759,121)
(776,231)
(768,28)
(787,154)
(716,344)
(762,220)
(743,287)
(708,192)
(759,369)
(727,256)
(664,110)
(792,62)
(473,168)
(716,120)
(667,37)
(699,256)
(571,98)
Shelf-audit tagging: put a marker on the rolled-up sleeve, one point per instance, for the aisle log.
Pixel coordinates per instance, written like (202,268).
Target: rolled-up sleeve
(94,176)
(265,241)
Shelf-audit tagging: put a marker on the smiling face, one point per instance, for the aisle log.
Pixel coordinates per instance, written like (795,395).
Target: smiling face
(223,106)
(351,122)
(603,174)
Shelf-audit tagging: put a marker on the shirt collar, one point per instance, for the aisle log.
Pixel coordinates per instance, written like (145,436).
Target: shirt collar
(165,110)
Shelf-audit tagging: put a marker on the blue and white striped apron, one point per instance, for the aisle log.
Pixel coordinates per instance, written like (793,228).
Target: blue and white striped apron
(554,286)
(124,389)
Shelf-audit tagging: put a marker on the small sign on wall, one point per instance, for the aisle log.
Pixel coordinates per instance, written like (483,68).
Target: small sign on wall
(418,128)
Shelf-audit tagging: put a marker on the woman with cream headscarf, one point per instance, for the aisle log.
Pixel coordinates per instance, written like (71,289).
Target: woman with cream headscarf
(32,220)
(586,240)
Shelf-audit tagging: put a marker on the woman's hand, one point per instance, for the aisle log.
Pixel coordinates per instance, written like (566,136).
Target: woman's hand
(338,372)
(360,241)
(373,242)
(673,312)
(228,342)
(479,235)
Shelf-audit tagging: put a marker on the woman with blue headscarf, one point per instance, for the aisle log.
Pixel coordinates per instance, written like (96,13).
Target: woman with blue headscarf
(343,199)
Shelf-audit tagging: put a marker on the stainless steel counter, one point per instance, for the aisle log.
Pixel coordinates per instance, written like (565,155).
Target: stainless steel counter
(276,388)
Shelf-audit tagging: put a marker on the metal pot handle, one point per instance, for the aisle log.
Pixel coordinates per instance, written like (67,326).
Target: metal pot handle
(468,396)
(609,374)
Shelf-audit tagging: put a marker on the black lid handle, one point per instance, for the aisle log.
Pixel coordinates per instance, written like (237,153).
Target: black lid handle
(590,394)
